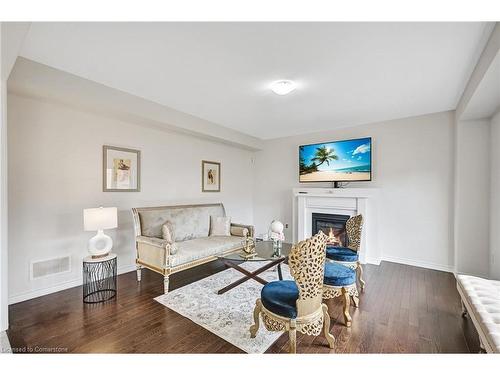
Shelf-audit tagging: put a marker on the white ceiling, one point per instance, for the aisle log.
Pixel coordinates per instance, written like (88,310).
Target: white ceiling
(485,101)
(348,73)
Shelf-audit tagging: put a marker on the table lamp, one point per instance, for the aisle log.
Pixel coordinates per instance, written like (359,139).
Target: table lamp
(99,219)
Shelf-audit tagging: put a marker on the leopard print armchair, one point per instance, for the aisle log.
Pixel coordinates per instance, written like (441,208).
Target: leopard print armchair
(302,297)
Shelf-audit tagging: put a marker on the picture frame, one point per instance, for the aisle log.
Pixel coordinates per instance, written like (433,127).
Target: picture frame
(121,169)
(210,176)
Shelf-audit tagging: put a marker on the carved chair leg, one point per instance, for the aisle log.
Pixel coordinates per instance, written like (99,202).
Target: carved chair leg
(139,272)
(292,334)
(165,283)
(359,271)
(326,327)
(347,303)
(355,301)
(256,318)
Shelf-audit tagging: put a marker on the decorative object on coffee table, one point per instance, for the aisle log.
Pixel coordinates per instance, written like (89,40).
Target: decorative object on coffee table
(276,235)
(248,248)
(121,169)
(295,305)
(264,253)
(99,278)
(210,176)
(99,219)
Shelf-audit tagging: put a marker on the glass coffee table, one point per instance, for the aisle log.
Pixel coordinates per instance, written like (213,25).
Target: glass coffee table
(264,253)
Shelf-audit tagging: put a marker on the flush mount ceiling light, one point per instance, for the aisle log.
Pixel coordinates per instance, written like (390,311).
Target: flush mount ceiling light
(283,86)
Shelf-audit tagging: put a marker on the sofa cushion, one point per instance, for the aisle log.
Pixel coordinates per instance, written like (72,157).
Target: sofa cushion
(338,275)
(280,297)
(483,296)
(220,226)
(188,221)
(191,250)
(167,232)
(239,231)
(173,248)
(341,254)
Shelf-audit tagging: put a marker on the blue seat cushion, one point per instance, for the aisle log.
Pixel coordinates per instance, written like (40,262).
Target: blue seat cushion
(338,275)
(341,254)
(279,297)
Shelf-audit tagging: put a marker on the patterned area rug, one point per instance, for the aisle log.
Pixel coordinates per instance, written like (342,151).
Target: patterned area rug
(229,315)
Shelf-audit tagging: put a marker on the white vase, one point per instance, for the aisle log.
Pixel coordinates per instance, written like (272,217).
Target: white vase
(100,245)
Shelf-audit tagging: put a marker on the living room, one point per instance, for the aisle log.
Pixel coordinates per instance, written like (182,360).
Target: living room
(181,187)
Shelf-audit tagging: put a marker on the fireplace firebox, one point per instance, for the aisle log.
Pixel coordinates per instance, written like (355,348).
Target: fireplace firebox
(333,225)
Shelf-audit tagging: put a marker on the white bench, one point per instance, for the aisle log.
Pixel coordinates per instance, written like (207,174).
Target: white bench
(481,301)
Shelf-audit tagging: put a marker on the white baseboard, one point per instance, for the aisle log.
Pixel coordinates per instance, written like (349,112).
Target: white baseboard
(418,263)
(375,261)
(57,288)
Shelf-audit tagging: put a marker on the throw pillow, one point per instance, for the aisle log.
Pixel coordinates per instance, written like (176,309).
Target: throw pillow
(173,248)
(220,226)
(239,231)
(167,231)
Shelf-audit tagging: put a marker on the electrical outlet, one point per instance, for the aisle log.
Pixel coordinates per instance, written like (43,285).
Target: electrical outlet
(286,225)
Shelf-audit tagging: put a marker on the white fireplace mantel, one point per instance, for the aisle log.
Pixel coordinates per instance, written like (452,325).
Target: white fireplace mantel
(346,201)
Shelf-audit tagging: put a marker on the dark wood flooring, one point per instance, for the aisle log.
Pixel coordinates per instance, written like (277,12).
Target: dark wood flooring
(404,309)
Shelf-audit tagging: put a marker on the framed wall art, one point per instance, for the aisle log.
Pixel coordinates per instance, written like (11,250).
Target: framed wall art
(210,176)
(121,170)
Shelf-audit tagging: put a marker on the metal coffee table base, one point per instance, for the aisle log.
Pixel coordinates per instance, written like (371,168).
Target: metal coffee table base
(251,275)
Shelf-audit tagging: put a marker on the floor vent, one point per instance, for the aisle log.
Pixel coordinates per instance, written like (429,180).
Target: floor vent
(50,267)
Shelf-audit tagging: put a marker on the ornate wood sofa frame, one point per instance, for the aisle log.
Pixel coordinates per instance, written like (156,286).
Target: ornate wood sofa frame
(155,253)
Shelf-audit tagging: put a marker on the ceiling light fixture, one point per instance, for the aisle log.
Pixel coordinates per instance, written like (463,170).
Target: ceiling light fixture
(283,86)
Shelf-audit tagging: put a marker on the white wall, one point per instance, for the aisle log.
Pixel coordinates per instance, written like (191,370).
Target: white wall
(55,167)
(12,35)
(4,319)
(413,168)
(477,240)
(495,198)
(472,197)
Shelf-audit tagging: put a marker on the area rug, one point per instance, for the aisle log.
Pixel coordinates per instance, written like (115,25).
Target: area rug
(229,315)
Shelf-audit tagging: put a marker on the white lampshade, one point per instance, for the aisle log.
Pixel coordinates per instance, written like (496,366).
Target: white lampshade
(100,218)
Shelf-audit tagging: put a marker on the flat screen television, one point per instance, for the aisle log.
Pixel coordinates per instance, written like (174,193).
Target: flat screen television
(336,161)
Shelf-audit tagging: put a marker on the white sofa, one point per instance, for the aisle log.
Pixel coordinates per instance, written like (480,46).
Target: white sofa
(481,301)
(191,227)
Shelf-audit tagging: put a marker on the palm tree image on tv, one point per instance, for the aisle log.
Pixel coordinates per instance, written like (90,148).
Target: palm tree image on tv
(336,161)
(324,155)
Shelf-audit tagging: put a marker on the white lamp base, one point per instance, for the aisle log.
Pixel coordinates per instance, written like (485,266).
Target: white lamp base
(100,245)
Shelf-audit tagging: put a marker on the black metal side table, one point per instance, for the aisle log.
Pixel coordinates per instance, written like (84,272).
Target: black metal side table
(99,278)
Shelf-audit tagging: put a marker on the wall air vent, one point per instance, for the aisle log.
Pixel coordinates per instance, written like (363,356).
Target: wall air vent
(49,267)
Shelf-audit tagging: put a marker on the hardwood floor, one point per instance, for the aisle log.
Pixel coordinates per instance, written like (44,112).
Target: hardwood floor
(404,309)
